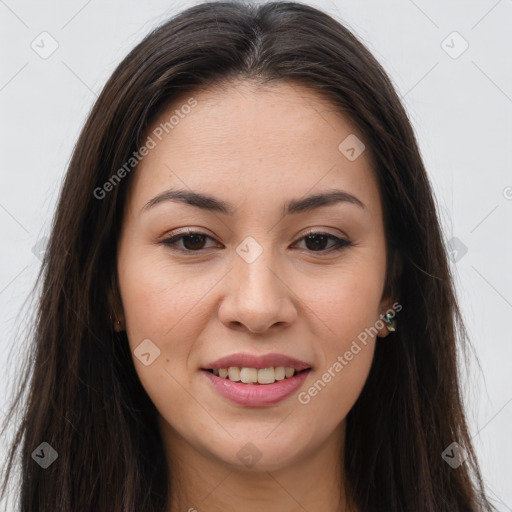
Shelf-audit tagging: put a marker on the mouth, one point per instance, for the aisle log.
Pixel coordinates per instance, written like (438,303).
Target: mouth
(255,394)
(256,369)
(256,381)
(258,376)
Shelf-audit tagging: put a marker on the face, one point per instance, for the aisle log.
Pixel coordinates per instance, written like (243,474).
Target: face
(255,276)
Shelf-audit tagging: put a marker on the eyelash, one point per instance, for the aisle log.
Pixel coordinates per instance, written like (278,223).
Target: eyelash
(340,242)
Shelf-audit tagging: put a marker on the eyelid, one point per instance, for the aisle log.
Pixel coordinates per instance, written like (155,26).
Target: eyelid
(320,231)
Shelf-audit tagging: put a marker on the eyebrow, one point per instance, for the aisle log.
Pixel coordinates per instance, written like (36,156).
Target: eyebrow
(294,206)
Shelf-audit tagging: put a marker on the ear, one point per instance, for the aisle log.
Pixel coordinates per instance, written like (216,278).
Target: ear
(115,313)
(390,299)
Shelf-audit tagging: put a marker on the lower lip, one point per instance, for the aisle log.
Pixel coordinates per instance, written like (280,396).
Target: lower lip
(257,395)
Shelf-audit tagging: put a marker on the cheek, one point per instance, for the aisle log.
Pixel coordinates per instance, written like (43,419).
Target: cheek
(348,309)
(346,358)
(347,302)
(162,305)
(161,301)
(330,396)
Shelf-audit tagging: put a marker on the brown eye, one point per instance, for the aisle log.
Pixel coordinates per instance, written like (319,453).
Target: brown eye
(317,242)
(190,241)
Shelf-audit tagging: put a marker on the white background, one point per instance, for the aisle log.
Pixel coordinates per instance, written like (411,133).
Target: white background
(461,109)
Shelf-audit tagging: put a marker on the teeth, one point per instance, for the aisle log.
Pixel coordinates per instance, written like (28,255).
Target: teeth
(255,375)
(249,375)
(266,376)
(288,372)
(234,374)
(279,373)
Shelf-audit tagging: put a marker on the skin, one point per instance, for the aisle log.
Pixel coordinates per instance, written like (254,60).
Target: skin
(255,147)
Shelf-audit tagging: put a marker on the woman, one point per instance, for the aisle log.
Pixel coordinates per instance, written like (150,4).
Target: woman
(246,301)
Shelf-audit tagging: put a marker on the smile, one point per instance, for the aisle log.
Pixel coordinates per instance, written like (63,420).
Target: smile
(257,395)
(256,380)
(255,375)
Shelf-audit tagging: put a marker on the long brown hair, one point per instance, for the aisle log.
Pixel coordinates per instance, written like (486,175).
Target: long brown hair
(83,395)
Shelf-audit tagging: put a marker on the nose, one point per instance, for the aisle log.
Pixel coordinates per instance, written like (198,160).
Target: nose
(256,297)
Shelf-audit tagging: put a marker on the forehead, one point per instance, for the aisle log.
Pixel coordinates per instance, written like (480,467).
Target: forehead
(246,140)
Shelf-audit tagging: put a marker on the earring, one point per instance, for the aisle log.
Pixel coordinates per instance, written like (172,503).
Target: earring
(117,322)
(388,318)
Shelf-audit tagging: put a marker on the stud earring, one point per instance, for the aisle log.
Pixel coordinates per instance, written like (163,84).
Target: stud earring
(390,321)
(117,322)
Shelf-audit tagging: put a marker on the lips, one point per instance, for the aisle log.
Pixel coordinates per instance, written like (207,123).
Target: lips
(255,391)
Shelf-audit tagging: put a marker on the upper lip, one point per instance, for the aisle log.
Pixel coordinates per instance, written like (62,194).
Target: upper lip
(257,361)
